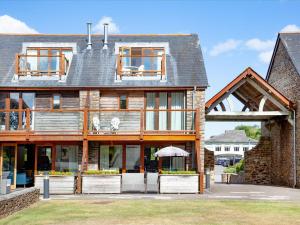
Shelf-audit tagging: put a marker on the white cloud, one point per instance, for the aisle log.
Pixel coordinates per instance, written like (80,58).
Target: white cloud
(113,28)
(9,24)
(291,28)
(265,56)
(224,47)
(260,45)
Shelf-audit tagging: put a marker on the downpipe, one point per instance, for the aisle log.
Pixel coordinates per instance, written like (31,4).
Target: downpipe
(294,147)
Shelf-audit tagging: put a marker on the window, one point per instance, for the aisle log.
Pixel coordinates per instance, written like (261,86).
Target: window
(245,149)
(139,61)
(44,61)
(133,158)
(227,149)
(236,149)
(56,101)
(123,102)
(110,157)
(164,103)
(66,158)
(218,148)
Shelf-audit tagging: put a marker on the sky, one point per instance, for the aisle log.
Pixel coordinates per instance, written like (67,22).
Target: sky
(233,34)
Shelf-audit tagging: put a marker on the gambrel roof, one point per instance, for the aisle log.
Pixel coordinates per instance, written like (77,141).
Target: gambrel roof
(96,67)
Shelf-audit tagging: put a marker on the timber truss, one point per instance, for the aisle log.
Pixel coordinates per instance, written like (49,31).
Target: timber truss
(259,100)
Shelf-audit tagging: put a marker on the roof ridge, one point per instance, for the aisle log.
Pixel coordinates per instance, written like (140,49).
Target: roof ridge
(20,34)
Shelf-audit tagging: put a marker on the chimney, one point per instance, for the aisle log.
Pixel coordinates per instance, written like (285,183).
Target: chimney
(105,35)
(89,32)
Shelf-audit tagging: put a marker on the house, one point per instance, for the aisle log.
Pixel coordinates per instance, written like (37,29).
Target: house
(74,103)
(230,145)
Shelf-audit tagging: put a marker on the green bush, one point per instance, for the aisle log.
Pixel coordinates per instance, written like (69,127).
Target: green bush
(236,168)
(60,173)
(178,172)
(101,172)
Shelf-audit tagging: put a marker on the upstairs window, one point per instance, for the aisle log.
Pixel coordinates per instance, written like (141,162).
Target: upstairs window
(218,148)
(236,149)
(141,62)
(44,61)
(123,102)
(227,149)
(56,101)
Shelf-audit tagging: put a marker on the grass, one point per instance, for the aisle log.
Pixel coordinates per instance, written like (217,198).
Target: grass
(198,211)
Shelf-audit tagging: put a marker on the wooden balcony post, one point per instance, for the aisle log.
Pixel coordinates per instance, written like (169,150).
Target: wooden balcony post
(123,158)
(197,123)
(27,119)
(142,156)
(84,161)
(142,122)
(17,64)
(20,112)
(85,123)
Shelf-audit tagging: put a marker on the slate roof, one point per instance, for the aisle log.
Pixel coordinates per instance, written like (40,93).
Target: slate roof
(231,136)
(96,67)
(291,42)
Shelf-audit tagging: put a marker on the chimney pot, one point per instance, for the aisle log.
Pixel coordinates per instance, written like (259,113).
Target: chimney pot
(105,44)
(89,32)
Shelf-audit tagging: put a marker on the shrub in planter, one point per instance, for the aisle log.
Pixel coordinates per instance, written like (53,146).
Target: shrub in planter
(179,172)
(101,172)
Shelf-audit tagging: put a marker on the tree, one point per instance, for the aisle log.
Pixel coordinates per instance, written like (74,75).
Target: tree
(253,132)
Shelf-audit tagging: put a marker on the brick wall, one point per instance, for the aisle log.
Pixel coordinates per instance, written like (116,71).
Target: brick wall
(258,163)
(284,77)
(18,200)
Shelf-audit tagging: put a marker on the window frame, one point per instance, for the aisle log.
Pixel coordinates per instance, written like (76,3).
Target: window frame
(119,101)
(227,147)
(60,101)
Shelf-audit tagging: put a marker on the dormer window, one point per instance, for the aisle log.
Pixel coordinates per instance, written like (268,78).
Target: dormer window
(141,62)
(44,62)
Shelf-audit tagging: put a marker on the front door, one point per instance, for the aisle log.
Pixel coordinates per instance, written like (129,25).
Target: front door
(8,163)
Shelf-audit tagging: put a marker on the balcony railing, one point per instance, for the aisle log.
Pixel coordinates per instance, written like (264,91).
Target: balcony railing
(141,66)
(41,65)
(100,122)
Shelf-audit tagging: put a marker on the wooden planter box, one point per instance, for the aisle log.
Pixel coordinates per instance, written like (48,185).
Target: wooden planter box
(101,184)
(177,183)
(57,184)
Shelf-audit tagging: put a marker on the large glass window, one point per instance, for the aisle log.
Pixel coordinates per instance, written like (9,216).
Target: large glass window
(44,156)
(14,114)
(66,158)
(9,163)
(28,102)
(133,158)
(111,157)
(173,109)
(56,101)
(2,107)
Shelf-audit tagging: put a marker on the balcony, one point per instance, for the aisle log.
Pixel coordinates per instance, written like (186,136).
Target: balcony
(41,65)
(130,67)
(99,124)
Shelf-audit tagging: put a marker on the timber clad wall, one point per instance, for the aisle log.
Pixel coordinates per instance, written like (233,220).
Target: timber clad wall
(284,77)
(50,121)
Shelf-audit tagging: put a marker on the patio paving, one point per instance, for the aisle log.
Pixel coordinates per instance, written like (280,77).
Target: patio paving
(217,191)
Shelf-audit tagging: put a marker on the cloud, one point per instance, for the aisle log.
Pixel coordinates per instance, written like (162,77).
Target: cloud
(260,45)
(265,56)
(291,28)
(224,47)
(113,28)
(9,24)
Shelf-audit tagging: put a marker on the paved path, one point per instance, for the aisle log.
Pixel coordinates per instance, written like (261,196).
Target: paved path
(254,192)
(217,191)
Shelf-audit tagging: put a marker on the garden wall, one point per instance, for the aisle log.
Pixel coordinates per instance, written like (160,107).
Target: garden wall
(18,200)
(258,163)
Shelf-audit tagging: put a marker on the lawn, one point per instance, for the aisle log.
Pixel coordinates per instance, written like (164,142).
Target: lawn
(157,212)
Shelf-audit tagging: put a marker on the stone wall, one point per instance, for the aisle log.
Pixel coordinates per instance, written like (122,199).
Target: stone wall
(209,159)
(285,78)
(18,200)
(258,163)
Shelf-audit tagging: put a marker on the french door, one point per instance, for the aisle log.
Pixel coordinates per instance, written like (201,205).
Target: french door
(8,163)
